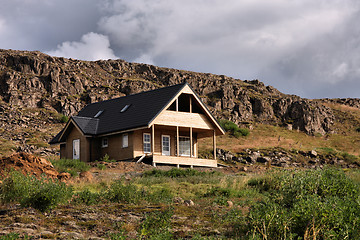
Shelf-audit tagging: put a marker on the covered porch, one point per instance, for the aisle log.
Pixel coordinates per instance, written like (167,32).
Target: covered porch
(183,161)
(177,145)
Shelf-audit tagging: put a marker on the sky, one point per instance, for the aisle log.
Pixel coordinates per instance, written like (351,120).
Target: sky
(303,47)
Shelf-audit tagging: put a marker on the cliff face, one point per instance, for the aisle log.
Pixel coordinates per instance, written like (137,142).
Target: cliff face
(34,79)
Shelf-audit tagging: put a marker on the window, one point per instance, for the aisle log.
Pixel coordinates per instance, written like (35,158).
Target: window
(147,143)
(104,142)
(76,149)
(184,146)
(125,140)
(125,108)
(98,114)
(165,145)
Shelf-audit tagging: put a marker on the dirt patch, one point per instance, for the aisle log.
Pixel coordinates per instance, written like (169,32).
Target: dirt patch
(27,164)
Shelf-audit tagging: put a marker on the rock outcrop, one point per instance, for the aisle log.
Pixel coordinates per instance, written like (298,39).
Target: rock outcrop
(34,79)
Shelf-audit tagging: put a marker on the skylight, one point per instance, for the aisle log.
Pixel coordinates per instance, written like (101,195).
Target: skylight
(98,113)
(125,108)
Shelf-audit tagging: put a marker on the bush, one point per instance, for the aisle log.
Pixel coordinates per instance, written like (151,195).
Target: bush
(101,166)
(358,129)
(233,129)
(13,236)
(157,225)
(173,173)
(63,118)
(42,194)
(72,166)
(87,197)
(119,192)
(318,203)
(218,192)
(129,193)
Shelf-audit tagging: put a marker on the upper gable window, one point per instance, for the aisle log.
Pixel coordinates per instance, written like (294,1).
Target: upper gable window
(98,113)
(125,108)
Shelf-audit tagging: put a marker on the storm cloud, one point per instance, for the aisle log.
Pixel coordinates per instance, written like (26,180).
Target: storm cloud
(309,48)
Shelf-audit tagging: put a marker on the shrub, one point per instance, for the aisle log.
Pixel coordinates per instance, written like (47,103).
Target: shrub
(48,196)
(119,192)
(72,166)
(157,225)
(218,191)
(358,129)
(162,195)
(42,194)
(106,158)
(129,193)
(233,129)
(319,203)
(12,236)
(63,118)
(101,166)
(174,173)
(87,197)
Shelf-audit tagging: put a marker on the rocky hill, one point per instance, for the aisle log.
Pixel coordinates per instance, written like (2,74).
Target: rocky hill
(37,80)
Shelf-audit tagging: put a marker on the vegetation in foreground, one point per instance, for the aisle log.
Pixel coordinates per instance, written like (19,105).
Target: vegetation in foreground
(301,204)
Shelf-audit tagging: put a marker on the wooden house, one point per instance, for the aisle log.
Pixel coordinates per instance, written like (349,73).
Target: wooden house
(164,124)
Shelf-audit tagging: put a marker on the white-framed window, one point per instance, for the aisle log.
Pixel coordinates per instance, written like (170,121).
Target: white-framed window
(104,142)
(184,146)
(76,149)
(125,140)
(165,139)
(147,142)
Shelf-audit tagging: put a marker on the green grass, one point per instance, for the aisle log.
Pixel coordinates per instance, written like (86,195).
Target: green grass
(72,166)
(275,205)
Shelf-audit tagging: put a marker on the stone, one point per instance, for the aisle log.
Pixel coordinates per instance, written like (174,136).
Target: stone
(178,200)
(71,235)
(189,203)
(313,153)
(263,159)
(230,204)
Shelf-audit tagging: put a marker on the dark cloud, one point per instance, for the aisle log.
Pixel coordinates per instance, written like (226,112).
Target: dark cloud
(304,47)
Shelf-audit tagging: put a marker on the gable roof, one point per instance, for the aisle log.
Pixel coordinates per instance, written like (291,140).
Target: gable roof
(125,113)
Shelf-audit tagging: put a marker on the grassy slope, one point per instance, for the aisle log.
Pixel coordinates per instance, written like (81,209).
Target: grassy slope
(345,137)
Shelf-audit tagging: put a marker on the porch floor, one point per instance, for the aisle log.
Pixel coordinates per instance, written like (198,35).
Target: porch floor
(189,161)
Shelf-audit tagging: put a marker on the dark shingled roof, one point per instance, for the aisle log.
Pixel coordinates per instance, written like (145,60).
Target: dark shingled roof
(143,108)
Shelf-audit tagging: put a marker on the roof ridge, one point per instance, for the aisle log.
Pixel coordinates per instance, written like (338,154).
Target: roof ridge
(90,118)
(134,94)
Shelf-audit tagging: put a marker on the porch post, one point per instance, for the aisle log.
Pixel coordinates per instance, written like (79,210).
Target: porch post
(191,142)
(214,144)
(177,141)
(153,139)
(177,104)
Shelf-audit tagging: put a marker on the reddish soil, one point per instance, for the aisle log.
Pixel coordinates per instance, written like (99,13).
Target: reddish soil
(27,164)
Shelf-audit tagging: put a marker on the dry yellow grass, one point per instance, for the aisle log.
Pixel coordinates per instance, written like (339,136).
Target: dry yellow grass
(267,136)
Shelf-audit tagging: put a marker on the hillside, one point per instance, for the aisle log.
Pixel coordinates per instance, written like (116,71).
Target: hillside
(38,92)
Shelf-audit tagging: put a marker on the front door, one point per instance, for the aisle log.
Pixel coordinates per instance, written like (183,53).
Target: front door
(165,145)
(76,149)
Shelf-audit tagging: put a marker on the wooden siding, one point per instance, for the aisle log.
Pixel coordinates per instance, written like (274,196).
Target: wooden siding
(184,161)
(63,150)
(84,145)
(115,149)
(183,119)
